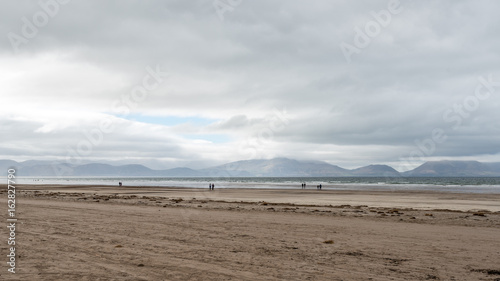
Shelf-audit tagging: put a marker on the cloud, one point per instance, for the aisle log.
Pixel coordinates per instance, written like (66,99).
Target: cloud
(264,56)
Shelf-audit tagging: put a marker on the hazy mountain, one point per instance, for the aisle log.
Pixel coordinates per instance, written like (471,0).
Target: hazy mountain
(31,167)
(179,172)
(277,167)
(455,169)
(7,164)
(375,171)
(493,167)
(281,167)
(97,169)
(54,169)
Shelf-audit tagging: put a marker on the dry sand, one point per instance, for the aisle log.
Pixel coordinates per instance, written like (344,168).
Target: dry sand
(149,233)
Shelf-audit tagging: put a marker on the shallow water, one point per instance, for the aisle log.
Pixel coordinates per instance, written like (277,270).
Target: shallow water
(458,185)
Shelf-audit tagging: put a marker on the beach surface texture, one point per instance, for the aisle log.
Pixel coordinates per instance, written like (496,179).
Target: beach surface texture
(153,233)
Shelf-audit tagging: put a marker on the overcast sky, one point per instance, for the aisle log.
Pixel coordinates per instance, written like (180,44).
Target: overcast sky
(202,82)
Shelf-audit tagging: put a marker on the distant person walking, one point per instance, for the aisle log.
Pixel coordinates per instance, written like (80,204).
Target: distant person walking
(209,186)
(213,186)
(120,183)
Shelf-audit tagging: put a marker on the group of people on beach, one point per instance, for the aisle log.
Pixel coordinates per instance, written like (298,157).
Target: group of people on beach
(318,187)
(211,186)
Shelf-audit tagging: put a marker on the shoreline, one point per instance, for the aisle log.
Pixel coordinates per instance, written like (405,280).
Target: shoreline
(412,199)
(383,186)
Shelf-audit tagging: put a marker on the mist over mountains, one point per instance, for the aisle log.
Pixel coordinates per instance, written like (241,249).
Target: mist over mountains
(277,167)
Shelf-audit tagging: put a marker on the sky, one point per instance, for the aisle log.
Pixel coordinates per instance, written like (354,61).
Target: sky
(204,82)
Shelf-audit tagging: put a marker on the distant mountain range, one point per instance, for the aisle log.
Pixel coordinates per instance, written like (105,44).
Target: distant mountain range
(277,167)
(455,169)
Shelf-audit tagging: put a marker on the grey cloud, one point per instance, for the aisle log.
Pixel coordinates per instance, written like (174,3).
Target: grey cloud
(266,55)
(235,122)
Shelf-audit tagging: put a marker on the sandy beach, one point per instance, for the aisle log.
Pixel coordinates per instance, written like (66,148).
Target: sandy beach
(151,233)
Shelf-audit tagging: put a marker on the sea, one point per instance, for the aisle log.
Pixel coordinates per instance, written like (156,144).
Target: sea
(486,185)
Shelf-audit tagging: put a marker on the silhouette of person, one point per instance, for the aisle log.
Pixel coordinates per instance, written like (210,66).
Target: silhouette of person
(213,186)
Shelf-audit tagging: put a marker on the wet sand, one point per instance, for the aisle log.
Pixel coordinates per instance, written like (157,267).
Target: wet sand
(150,233)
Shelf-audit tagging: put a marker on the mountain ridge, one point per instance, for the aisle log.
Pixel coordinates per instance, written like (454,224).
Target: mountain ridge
(276,167)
